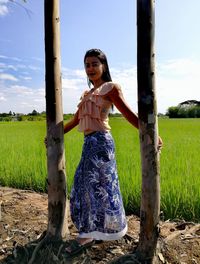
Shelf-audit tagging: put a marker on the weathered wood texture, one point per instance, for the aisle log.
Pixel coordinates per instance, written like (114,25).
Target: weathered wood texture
(55,148)
(147,112)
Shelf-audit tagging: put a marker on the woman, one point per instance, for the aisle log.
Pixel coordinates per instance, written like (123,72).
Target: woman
(96,203)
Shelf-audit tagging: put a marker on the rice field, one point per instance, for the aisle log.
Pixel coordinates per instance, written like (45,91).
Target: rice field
(23,162)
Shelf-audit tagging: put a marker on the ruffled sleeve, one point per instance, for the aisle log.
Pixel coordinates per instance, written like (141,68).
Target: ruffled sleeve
(90,105)
(93,109)
(106,88)
(84,94)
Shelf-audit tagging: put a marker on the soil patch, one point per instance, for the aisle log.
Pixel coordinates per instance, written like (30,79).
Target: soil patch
(23,219)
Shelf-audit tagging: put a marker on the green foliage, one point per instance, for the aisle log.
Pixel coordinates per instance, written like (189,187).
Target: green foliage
(172,112)
(34,113)
(33,116)
(23,162)
(22,155)
(184,111)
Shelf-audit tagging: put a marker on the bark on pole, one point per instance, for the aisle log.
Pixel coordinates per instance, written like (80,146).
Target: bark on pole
(147,112)
(55,149)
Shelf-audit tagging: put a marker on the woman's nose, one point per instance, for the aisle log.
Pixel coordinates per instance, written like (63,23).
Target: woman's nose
(90,67)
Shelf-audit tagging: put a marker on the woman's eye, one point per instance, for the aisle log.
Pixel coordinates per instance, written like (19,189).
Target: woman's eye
(91,65)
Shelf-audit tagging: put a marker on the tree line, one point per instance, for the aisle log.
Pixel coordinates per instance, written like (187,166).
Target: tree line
(35,116)
(12,116)
(186,109)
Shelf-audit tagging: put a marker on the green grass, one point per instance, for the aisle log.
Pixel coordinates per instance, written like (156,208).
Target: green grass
(22,155)
(180,171)
(23,162)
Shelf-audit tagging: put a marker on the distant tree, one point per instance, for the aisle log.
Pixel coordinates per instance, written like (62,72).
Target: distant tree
(4,114)
(34,113)
(182,112)
(172,112)
(21,118)
(186,109)
(7,119)
(190,102)
(192,111)
(198,112)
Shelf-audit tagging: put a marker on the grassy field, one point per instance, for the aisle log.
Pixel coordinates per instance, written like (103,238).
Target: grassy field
(23,162)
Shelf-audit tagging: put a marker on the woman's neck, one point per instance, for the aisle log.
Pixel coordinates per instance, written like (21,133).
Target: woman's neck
(98,83)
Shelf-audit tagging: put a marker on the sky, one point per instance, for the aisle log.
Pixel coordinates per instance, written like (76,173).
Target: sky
(109,25)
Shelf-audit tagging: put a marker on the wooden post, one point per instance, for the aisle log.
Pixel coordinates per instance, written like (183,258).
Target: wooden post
(57,226)
(147,112)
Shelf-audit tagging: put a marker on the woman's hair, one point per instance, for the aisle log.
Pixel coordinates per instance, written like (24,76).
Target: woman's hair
(102,57)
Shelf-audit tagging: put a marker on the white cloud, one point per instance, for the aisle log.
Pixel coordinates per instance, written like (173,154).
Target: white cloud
(74,82)
(3,57)
(8,77)
(5,67)
(3,8)
(9,58)
(176,81)
(34,68)
(127,78)
(27,78)
(22,99)
(180,67)
(38,59)
(2,98)
(20,90)
(2,65)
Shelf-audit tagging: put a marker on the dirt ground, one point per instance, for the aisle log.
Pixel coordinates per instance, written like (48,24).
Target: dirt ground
(23,218)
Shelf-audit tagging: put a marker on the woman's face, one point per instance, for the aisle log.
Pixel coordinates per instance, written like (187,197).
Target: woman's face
(93,68)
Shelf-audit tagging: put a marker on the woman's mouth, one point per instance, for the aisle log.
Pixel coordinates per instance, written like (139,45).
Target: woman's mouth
(91,74)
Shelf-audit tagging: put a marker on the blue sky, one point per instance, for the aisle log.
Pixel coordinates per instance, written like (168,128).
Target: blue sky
(109,25)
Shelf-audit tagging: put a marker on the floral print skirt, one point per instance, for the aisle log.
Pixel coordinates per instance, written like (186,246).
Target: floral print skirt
(96,202)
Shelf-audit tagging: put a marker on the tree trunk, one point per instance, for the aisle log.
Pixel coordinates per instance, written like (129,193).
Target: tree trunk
(147,112)
(57,226)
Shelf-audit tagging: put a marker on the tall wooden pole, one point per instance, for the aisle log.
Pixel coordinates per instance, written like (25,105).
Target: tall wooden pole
(55,148)
(147,112)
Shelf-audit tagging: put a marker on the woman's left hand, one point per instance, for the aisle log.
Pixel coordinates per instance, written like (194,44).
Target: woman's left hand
(160,144)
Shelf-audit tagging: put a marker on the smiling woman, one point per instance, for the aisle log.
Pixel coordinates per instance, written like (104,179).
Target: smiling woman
(94,68)
(96,63)
(96,204)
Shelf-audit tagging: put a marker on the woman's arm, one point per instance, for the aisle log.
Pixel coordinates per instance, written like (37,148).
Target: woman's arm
(116,97)
(72,123)
(68,126)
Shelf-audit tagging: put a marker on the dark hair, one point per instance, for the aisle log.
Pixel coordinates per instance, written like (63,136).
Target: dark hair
(102,57)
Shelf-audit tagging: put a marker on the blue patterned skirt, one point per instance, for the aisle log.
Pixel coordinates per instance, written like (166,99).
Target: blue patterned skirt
(96,203)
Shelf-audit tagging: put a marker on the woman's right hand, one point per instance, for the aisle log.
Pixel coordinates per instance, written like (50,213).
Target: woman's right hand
(160,144)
